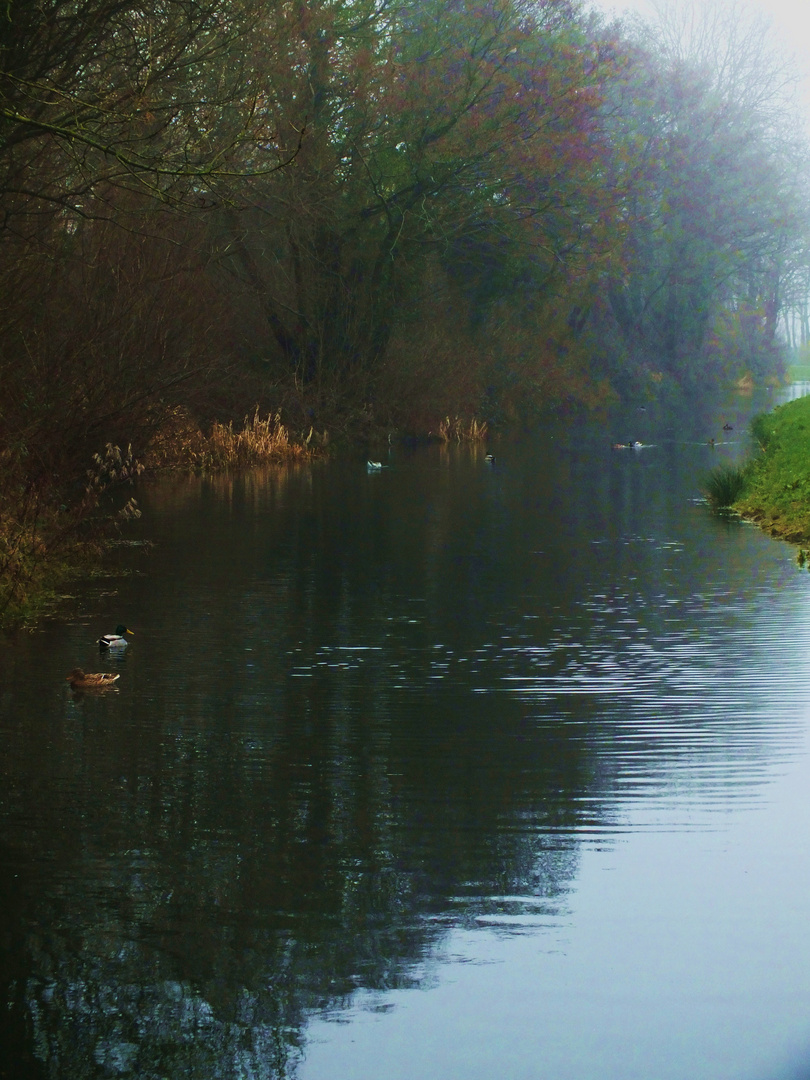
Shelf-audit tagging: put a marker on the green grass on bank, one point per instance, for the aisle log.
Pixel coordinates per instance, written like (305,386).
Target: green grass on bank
(777,480)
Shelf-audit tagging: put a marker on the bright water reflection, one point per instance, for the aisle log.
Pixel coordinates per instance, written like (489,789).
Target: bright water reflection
(504,768)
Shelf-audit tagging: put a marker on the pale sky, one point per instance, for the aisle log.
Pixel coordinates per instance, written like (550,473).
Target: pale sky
(790,17)
(790,20)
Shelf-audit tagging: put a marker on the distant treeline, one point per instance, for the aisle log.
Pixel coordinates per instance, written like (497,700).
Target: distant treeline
(375,212)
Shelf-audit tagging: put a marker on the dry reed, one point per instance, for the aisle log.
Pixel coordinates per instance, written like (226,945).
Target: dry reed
(458,430)
(259,441)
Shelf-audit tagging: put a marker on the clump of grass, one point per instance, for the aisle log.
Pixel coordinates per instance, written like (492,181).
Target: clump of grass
(724,485)
(458,430)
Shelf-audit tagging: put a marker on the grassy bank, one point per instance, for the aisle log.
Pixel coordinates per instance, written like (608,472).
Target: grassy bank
(776,487)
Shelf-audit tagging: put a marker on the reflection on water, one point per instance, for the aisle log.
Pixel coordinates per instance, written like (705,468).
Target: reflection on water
(370,720)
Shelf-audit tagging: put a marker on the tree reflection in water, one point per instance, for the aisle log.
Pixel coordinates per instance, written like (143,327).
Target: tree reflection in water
(197,886)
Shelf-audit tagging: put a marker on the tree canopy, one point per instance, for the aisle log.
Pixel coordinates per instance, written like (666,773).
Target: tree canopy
(377,211)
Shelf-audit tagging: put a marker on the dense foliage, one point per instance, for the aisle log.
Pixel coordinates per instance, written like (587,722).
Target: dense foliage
(376,212)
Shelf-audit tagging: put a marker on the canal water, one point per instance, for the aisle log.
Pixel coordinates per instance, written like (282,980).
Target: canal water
(450,770)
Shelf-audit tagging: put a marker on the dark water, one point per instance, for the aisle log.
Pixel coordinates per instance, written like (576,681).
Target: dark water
(447,772)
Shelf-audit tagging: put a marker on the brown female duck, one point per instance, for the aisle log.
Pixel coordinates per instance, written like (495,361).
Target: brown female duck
(100,681)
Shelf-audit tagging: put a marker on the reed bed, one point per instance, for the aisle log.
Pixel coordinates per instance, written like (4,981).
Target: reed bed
(50,535)
(44,541)
(260,440)
(459,430)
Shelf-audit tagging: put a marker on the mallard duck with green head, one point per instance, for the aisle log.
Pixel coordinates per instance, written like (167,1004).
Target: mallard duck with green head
(116,640)
(91,681)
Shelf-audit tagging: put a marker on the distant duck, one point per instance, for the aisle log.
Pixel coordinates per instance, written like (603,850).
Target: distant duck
(727,427)
(636,445)
(100,681)
(116,640)
(373,466)
(489,458)
(711,443)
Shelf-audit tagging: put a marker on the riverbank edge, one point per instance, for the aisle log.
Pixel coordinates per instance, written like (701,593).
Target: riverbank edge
(776,486)
(40,562)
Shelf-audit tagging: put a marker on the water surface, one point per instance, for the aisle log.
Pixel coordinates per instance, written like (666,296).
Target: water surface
(450,770)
